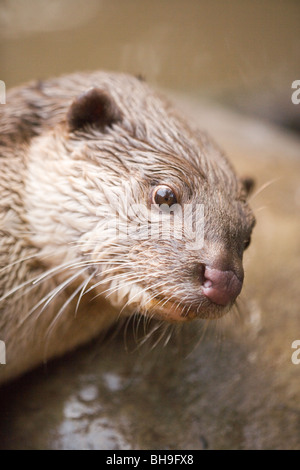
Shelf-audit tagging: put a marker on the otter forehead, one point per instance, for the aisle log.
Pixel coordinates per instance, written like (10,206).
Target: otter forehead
(152,138)
(150,133)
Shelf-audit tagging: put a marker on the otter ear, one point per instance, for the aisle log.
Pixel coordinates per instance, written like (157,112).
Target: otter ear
(94,107)
(248,184)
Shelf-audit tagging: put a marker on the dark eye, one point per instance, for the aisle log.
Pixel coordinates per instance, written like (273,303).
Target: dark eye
(163,195)
(247,243)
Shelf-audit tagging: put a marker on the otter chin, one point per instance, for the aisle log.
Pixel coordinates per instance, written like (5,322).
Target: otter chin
(112,203)
(175,313)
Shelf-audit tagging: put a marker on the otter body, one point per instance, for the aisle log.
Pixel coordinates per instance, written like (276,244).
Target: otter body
(87,161)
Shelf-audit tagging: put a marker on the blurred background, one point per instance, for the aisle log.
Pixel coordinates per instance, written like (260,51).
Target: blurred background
(241,52)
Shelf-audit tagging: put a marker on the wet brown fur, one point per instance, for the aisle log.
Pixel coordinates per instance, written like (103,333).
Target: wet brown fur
(59,180)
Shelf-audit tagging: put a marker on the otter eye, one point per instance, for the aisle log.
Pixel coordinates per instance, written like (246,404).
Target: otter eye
(247,243)
(164,195)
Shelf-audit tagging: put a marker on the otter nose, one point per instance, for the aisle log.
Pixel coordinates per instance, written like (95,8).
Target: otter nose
(221,287)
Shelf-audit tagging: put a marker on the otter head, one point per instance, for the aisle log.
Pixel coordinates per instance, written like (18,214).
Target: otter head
(149,209)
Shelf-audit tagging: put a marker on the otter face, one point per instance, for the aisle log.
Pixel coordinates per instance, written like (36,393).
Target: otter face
(175,261)
(151,208)
(174,222)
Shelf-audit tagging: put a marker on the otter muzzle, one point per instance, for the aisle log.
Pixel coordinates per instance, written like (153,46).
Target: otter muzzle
(221,287)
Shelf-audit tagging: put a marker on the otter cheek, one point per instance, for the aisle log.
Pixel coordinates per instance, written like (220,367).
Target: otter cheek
(221,287)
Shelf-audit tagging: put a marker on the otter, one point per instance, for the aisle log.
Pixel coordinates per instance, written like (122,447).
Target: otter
(90,164)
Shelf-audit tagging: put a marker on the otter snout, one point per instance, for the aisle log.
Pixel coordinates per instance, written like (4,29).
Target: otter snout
(221,287)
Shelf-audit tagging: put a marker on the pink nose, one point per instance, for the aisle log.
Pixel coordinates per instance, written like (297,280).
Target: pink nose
(221,287)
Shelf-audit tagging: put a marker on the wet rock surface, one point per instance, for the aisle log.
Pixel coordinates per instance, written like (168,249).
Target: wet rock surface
(228,384)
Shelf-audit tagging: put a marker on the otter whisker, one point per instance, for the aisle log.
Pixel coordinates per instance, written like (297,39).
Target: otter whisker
(61,287)
(262,188)
(133,278)
(61,310)
(36,285)
(19,261)
(163,326)
(139,318)
(55,270)
(261,208)
(204,327)
(168,299)
(189,308)
(106,280)
(125,333)
(148,336)
(109,270)
(34,280)
(136,321)
(169,336)
(82,292)
(142,292)
(50,296)
(114,289)
(237,309)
